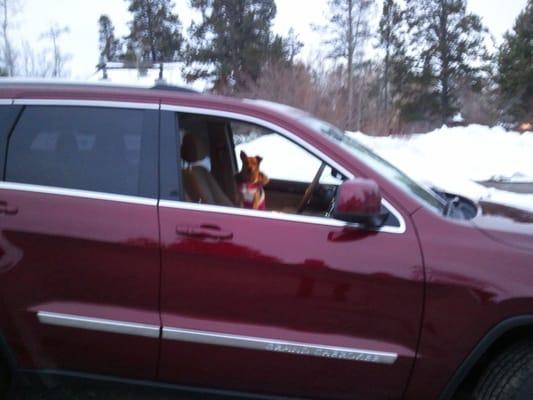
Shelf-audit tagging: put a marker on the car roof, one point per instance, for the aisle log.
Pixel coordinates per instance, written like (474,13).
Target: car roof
(104,91)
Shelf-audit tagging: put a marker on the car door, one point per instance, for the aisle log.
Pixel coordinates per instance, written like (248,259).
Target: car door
(280,303)
(79,241)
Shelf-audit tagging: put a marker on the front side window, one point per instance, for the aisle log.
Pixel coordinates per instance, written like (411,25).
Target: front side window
(96,149)
(237,164)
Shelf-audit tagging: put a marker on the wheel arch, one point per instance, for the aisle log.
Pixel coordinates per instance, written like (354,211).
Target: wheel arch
(495,339)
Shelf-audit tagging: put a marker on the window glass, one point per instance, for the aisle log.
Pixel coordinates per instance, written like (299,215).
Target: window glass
(282,159)
(278,174)
(97,149)
(383,167)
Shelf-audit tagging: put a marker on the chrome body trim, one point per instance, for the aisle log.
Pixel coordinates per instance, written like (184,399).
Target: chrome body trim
(98,324)
(6,102)
(280,346)
(86,194)
(86,103)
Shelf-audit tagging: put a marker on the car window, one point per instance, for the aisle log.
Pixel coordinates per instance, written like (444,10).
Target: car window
(212,153)
(96,149)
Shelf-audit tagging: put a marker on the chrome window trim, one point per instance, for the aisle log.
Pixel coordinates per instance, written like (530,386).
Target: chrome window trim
(6,102)
(85,194)
(287,217)
(183,205)
(274,215)
(98,324)
(86,103)
(280,346)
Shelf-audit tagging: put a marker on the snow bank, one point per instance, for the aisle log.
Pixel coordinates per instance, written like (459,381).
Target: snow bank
(455,159)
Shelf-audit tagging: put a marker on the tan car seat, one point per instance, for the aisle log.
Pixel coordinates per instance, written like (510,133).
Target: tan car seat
(200,186)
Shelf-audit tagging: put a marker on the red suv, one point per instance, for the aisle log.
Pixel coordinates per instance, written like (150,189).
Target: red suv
(125,253)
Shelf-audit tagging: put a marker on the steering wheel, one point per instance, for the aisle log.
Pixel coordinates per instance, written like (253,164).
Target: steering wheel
(310,190)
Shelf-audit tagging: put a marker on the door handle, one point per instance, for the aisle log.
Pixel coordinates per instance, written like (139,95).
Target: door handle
(205,231)
(6,209)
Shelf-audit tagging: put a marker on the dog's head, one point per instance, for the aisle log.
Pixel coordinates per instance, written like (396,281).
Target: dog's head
(250,167)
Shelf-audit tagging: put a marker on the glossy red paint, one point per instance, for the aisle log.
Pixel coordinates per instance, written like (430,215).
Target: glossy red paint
(429,294)
(358,197)
(85,257)
(290,281)
(473,283)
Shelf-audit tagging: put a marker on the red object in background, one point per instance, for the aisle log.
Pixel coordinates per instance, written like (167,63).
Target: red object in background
(428,293)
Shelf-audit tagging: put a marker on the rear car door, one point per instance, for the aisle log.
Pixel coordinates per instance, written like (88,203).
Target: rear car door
(79,250)
(282,303)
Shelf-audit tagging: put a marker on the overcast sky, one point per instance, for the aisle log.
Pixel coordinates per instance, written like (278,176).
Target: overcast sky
(81,16)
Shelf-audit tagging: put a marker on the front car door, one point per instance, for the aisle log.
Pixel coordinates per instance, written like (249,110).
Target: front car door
(79,245)
(282,303)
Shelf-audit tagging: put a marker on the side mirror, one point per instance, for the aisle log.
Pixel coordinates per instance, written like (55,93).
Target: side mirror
(359,200)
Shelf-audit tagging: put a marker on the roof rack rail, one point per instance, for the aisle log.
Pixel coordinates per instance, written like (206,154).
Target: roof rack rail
(163,86)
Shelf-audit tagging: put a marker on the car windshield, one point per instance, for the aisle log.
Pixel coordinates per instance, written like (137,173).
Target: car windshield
(384,168)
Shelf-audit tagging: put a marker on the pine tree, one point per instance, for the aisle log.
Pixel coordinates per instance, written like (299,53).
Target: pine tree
(283,50)
(109,46)
(449,45)
(391,35)
(347,34)
(515,64)
(231,43)
(155,32)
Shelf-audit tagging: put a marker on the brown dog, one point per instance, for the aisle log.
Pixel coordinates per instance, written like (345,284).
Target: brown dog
(250,182)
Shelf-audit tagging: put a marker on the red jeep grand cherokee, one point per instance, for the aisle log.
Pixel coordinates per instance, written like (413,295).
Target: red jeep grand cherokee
(124,254)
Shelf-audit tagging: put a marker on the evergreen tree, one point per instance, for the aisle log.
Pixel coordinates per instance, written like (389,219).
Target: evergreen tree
(232,42)
(347,34)
(155,32)
(515,64)
(448,44)
(109,46)
(391,35)
(283,50)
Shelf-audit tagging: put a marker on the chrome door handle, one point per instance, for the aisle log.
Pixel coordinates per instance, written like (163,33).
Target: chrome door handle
(6,209)
(204,232)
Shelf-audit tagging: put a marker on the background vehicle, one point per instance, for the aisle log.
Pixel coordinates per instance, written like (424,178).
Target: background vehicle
(112,266)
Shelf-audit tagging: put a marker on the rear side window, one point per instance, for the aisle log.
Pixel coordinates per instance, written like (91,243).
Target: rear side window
(96,149)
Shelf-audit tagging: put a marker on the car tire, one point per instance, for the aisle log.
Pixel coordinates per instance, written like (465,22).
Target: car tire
(509,376)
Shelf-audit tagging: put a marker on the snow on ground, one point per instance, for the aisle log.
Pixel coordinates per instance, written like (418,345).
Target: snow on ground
(455,159)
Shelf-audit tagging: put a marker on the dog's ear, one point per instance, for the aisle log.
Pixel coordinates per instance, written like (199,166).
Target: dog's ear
(243,156)
(259,159)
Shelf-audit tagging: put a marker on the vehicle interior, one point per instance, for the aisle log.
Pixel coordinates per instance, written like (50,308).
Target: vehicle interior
(210,147)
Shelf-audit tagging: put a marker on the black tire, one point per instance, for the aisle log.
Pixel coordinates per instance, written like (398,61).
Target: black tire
(509,376)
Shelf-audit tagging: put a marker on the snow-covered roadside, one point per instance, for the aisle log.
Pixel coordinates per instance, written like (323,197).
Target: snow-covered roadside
(455,159)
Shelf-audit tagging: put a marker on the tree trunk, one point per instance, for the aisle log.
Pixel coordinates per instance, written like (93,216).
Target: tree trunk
(8,55)
(351,51)
(445,62)
(151,38)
